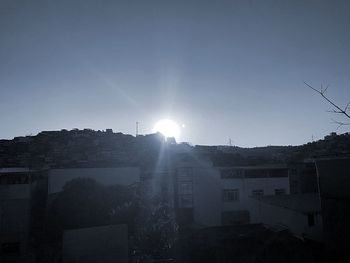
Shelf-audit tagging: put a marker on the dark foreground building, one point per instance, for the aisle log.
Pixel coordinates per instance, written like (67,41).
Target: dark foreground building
(245,243)
(334,184)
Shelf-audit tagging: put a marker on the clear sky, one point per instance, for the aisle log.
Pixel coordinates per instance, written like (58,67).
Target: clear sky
(224,69)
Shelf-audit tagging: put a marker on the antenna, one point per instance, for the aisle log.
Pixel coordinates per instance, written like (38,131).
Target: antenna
(137,128)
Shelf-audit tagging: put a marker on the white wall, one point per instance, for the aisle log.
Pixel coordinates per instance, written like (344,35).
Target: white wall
(57,178)
(296,222)
(247,185)
(208,203)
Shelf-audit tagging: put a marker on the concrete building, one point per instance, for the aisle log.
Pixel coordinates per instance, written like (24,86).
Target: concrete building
(197,194)
(158,183)
(303,177)
(299,213)
(334,183)
(212,196)
(15,212)
(241,183)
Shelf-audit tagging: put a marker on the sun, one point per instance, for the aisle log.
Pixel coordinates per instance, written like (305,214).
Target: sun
(168,128)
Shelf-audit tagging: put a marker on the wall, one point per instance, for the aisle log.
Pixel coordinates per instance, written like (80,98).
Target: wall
(247,185)
(295,221)
(15,211)
(207,196)
(96,244)
(14,191)
(57,178)
(303,178)
(334,183)
(208,202)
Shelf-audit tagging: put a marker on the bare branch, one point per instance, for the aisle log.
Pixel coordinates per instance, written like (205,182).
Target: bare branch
(334,111)
(340,124)
(347,106)
(339,110)
(325,89)
(312,88)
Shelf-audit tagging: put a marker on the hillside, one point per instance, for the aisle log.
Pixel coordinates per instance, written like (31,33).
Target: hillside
(89,148)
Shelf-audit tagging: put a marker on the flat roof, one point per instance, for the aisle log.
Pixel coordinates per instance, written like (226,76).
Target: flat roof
(251,167)
(14,170)
(303,203)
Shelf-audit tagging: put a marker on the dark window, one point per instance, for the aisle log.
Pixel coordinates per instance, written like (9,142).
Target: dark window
(185,188)
(281,191)
(230,195)
(231,173)
(278,172)
(258,192)
(311,219)
(256,173)
(14,179)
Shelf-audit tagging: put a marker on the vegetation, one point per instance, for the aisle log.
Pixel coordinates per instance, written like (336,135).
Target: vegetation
(86,203)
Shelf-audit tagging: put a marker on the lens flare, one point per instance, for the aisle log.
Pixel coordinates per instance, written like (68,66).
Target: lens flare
(168,128)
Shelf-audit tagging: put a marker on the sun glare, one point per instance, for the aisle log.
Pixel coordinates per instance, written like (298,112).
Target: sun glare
(168,128)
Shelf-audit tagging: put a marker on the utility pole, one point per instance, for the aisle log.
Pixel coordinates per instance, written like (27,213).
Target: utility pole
(137,128)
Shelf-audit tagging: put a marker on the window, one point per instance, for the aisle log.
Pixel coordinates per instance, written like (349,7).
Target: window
(258,192)
(256,173)
(186,201)
(184,174)
(230,195)
(278,173)
(280,191)
(14,179)
(185,188)
(231,173)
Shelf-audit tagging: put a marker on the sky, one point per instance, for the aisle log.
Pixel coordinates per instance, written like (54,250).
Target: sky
(221,69)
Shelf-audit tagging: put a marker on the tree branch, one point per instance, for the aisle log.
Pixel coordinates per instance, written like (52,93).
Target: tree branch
(339,110)
(347,106)
(334,111)
(340,124)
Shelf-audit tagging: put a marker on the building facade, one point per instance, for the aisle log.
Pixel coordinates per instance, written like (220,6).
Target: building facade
(334,183)
(299,213)
(211,196)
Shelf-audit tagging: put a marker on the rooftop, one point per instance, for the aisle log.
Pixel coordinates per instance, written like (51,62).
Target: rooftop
(14,170)
(257,167)
(303,203)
